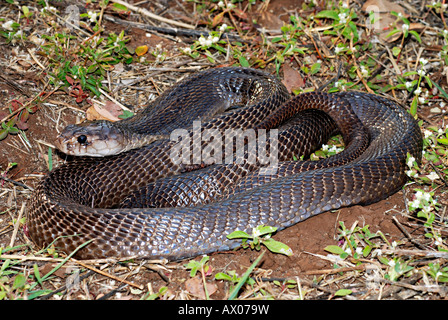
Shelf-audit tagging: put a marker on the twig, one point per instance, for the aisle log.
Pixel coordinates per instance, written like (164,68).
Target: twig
(114,100)
(16,183)
(170,31)
(153,16)
(406,233)
(64,287)
(16,226)
(85,265)
(149,75)
(337,270)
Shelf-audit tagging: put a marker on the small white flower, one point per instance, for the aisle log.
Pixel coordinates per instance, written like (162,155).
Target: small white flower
(215,39)
(377,252)
(405,27)
(92,16)
(391,263)
(419,195)
(324,147)
(364,71)
(427,133)
(421,72)
(49,8)
(202,41)
(221,4)
(432,176)
(418,91)
(256,232)
(8,25)
(222,28)
(187,50)
(408,84)
(18,34)
(421,100)
(423,61)
(342,17)
(410,173)
(410,162)
(414,204)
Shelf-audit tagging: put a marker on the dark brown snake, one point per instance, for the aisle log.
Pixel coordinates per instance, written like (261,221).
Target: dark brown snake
(79,200)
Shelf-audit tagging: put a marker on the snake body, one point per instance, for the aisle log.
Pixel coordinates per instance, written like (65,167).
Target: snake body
(79,201)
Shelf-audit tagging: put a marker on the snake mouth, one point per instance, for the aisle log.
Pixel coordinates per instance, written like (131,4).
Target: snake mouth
(93,139)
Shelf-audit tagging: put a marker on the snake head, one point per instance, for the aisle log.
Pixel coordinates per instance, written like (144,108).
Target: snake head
(94,139)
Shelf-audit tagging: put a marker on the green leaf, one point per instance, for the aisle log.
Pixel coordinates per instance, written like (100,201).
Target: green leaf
(343,292)
(3,134)
(416,35)
(243,61)
(393,32)
(396,51)
(334,249)
(13,130)
(414,105)
(262,230)
(119,7)
(238,234)
(328,14)
(315,68)
(277,247)
(19,281)
(37,274)
(223,276)
(126,114)
(366,251)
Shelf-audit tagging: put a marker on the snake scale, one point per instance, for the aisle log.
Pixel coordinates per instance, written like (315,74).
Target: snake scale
(80,200)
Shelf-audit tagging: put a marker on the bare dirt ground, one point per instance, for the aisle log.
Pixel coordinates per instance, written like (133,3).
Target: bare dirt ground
(22,78)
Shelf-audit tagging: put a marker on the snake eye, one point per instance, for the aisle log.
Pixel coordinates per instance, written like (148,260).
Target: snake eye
(82,139)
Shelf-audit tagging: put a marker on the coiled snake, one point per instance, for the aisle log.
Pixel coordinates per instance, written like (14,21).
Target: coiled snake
(79,201)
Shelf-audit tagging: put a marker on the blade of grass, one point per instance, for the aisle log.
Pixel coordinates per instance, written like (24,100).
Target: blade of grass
(61,263)
(244,278)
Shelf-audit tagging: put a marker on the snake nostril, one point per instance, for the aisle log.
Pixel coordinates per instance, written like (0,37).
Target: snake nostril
(82,139)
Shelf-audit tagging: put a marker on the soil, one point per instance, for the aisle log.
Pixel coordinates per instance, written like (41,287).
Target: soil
(307,239)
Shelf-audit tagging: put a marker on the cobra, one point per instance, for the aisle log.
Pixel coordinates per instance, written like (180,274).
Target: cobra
(82,200)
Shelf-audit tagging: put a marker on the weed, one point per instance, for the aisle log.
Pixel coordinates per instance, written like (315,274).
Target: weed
(261,235)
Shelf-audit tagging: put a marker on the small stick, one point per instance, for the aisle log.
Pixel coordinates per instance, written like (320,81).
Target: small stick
(16,226)
(153,16)
(108,274)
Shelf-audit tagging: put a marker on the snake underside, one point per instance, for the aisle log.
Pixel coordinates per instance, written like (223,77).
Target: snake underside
(80,200)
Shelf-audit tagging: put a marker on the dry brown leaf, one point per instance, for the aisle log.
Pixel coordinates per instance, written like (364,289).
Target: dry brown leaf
(383,6)
(195,287)
(110,111)
(292,78)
